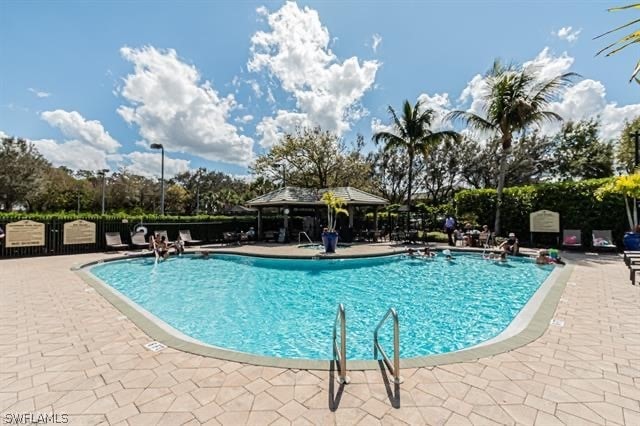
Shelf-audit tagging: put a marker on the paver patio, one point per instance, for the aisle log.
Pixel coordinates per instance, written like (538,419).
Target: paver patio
(64,349)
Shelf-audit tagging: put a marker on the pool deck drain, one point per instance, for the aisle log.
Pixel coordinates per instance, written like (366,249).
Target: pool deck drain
(64,350)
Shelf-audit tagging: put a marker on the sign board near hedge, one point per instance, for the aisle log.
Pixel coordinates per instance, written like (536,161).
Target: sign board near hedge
(544,221)
(25,233)
(79,232)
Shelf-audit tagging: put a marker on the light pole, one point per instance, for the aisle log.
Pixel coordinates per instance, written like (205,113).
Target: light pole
(160,147)
(102,173)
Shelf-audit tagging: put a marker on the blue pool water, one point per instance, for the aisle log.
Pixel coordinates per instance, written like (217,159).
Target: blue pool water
(286,308)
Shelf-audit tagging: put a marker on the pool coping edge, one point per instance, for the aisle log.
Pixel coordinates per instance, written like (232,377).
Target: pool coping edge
(158,330)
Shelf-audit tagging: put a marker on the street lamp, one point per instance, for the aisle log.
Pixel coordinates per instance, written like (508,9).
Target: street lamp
(102,173)
(160,147)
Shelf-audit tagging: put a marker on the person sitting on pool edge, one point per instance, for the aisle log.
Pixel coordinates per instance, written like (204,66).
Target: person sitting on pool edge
(162,248)
(179,246)
(511,245)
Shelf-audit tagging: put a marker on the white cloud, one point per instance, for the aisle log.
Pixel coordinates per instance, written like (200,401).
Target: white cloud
(76,127)
(296,52)
(173,107)
(376,40)
(585,100)
(271,129)
(244,119)
(567,33)
(378,126)
(39,93)
(3,135)
(441,106)
(149,164)
(73,154)
(548,66)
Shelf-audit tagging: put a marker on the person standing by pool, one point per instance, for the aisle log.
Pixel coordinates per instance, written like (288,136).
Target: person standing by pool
(449,227)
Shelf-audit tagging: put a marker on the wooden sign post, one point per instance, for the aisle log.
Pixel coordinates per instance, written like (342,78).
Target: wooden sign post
(544,221)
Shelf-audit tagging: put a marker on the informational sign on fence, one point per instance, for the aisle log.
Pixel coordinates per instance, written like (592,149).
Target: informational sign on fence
(79,232)
(25,233)
(544,221)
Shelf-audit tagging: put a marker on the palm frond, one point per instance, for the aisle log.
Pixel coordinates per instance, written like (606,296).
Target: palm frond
(474,121)
(396,121)
(635,73)
(540,117)
(636,40)
(619,8)
(391,140)
(618,28)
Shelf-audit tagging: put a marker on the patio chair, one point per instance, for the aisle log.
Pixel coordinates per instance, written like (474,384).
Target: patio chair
(572,238)
(185,235)
(230,238)
(114,241)
(138,240)
(602,239)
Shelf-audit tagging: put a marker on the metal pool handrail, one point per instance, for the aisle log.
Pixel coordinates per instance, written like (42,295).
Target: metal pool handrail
(395,368)
(340,353)
(300,234)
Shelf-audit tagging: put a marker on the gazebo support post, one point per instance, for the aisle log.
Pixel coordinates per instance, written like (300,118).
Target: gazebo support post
(259,224)
(286,223)
(375,218)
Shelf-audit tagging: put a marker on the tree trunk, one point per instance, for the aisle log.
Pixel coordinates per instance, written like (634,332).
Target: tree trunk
(501,176)
(409,191)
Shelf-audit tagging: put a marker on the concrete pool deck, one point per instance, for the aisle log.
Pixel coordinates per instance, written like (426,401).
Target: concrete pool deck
(66,350)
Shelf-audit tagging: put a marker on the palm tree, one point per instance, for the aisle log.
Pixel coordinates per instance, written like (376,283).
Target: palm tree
(514,99)
(628,40)
(411,132)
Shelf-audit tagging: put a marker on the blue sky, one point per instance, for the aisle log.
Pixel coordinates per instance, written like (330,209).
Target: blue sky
(94,83)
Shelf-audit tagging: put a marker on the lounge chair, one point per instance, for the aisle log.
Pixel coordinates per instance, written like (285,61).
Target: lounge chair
(138,240)
(602,239)
(572,238)
(114,241)
(185,235)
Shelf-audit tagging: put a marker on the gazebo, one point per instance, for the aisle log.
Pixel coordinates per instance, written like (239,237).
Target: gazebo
(308,199)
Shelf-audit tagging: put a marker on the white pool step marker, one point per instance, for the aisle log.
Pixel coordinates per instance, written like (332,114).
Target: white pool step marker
(557,322)
(571,283)
(155,346)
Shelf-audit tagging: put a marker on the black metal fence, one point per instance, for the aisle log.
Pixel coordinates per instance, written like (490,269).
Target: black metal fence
(208,232)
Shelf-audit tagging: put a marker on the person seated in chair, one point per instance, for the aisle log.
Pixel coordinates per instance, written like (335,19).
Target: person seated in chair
(511,245)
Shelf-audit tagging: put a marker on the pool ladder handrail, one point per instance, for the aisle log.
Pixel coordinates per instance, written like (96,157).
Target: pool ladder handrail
(305,234)
(340,353)
(395,368)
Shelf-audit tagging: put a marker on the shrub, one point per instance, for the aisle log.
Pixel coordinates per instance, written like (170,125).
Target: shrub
(576,202)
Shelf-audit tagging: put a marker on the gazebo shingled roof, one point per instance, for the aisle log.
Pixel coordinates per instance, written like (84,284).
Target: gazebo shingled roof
(292,195)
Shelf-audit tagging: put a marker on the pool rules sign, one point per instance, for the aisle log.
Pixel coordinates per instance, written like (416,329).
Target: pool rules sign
(25,233)
(544,221)
(79,232)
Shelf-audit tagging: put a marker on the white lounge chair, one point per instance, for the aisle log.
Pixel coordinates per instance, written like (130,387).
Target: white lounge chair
(572,238)
(138,240)
(114,241)
(185,235)
(602,239)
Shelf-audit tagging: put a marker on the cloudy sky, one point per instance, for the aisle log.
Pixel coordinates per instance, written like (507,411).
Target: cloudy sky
(92,84)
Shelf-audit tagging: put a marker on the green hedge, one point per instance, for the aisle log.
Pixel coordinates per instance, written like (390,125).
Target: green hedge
(119,216)
(575,201)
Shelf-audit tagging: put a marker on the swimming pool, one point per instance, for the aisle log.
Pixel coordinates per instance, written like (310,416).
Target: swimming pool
(286,308)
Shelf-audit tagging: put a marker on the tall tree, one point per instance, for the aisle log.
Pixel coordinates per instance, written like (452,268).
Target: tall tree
(515,98)
(22,170)
(389,174)
(580,154)
(411,132)
(313,158)
(626,148)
